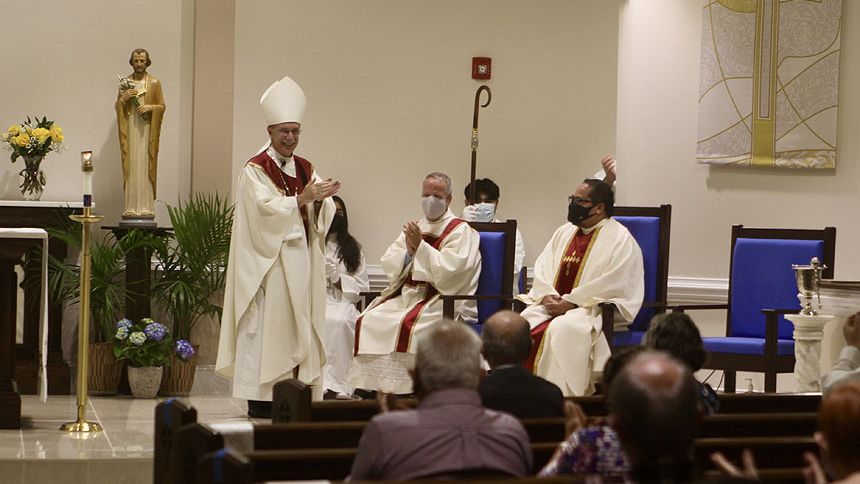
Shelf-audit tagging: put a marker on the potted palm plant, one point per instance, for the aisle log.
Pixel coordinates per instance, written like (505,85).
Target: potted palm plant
(107,294)
(191,272)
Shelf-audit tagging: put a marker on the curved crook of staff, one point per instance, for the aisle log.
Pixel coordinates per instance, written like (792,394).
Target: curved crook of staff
(475,136)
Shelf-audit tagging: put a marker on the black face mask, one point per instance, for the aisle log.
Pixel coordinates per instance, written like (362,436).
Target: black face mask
(577,213)
(338,223)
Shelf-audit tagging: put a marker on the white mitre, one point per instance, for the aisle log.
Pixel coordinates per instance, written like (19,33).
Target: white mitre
(283,102)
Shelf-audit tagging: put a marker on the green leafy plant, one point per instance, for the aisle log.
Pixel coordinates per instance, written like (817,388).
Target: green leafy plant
(192,261)
(145,343)
(107,270)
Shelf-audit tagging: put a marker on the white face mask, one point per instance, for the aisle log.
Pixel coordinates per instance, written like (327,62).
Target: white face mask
(433,207)
(484,212)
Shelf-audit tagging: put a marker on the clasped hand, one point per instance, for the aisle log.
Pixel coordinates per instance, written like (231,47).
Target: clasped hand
(314,192)
(413,236)
(556,306)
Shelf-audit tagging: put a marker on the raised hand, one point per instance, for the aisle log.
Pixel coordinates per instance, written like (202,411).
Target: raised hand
(314,192)
(609,169)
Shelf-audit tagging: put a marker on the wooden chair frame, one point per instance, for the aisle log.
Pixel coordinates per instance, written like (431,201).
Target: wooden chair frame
(509,227)
(770,363)
(664,213)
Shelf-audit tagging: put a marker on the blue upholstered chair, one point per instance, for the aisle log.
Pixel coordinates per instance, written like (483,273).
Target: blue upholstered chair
(650,226)
(498,245)
(761,289)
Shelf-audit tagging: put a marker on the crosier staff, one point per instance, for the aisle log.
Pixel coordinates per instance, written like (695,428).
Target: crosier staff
(475,137)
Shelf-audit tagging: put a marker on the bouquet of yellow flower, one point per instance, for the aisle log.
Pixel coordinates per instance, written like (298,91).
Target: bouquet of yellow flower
(32,138)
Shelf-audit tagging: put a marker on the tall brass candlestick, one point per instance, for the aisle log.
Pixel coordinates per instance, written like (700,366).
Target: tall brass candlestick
(86,220)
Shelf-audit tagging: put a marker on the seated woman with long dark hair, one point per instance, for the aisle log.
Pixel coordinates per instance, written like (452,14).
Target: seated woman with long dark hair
(345,279)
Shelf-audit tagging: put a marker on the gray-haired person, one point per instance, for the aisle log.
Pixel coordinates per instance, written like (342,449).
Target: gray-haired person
(449,434)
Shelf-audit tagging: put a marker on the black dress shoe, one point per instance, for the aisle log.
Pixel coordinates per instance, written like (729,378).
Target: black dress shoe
(259,409)
(363,394)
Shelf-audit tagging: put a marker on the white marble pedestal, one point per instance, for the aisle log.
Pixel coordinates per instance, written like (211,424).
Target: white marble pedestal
(808,333)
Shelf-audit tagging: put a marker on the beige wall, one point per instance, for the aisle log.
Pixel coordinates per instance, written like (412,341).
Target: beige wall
(390,99)
(658,78)
(657,93)
(61,60)
(213,96)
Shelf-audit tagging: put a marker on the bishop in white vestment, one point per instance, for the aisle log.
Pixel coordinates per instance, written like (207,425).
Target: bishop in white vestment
(437,255)
(591,260)
(272,327)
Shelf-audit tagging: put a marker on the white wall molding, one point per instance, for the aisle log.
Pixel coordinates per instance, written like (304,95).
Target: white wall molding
(698,290)
(682,290)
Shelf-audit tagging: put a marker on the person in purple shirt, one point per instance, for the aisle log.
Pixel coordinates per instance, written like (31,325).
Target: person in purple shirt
(449,434)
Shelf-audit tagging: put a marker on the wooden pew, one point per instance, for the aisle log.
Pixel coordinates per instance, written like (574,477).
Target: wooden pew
(298,464)
(768,402)
(722,424)
(228,467)
(292,403)
(170,415)
(192,442)
(769,452)
(773,454)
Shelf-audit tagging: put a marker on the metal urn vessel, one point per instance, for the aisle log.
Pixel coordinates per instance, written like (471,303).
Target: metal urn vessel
(808,281)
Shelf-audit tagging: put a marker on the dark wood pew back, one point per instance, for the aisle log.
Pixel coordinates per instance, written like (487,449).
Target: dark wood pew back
(772,454)
(195,440)
(301,464)
(769,452)
(292,403)
(170,415)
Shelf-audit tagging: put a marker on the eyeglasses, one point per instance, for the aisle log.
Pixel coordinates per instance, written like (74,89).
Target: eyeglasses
(577,200)
(286,131)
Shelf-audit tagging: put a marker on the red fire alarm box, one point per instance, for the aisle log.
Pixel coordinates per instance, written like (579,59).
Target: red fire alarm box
(481,68)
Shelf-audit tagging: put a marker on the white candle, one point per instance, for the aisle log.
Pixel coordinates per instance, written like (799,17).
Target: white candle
(87,168)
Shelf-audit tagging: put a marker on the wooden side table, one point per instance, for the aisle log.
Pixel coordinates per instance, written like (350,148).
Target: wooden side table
(26,365)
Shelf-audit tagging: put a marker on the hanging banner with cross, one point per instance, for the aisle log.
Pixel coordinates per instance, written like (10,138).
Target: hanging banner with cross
(768,87)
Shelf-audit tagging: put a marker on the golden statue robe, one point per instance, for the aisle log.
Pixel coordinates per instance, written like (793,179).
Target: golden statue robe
(152,97)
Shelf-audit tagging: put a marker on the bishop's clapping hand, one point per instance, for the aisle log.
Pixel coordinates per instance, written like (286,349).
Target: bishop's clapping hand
(315,192)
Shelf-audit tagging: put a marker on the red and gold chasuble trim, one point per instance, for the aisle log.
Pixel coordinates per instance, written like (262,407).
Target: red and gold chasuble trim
(566,278)
(286,184)
(407,324)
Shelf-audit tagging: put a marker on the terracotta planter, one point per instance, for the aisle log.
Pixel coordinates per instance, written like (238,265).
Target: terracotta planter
(179,376)
(105,370)
(144,382)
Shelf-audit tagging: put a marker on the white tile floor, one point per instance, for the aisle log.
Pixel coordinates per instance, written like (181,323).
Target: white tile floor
(40,452)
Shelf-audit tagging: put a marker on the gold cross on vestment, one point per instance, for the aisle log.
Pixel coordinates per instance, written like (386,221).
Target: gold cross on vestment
(568,260)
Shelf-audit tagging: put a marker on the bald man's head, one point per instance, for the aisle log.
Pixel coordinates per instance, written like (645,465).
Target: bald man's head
(653,404)
(506,339)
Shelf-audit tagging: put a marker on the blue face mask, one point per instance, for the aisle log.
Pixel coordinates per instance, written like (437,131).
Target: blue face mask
(484,212)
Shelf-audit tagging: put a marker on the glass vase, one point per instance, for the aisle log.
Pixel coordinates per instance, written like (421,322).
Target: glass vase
(31,180)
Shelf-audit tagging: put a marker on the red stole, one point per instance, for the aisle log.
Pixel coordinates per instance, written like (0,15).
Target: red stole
(404,335)
(286,184)
(566,278)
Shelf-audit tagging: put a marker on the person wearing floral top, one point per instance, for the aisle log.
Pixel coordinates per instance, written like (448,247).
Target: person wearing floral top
(589,450)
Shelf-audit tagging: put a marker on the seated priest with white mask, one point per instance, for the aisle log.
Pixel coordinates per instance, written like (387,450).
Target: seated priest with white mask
(590,260)
(484,210)
(436,255)
(275,295)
